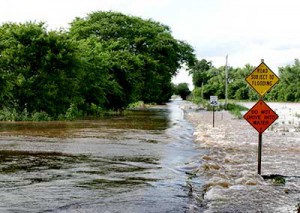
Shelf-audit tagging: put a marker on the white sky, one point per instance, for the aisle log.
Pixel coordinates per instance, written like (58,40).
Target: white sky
(246,30)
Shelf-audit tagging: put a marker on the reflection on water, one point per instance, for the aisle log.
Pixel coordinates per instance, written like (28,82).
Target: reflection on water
(139,162)
(156,119)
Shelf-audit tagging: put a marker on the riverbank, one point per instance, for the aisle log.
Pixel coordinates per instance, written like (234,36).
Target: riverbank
(230,165)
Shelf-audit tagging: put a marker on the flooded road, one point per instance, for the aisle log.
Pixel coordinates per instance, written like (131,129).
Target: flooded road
(229,167)
(141,162)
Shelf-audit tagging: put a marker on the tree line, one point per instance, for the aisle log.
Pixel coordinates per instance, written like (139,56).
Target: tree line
(209,80)
(104,61)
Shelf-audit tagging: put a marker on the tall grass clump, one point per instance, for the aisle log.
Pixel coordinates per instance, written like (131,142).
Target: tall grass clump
(7,114)
(236,109)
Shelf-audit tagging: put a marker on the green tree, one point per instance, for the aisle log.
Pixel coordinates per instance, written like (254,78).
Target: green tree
(38,68)
(109,79)
(216,83)
(145,56)
(238,88)
(182,90)
(288,88)
(200,72)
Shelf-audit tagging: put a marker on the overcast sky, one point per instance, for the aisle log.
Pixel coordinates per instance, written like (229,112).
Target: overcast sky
(246,30)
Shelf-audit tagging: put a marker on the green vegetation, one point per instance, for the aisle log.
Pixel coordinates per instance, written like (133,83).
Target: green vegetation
(279,180)
(276,179)
(209,80)
(236,109)
(233,108)
(182,90)
(105,61)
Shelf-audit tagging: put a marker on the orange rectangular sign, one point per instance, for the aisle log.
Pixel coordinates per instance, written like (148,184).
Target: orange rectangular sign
(261,116)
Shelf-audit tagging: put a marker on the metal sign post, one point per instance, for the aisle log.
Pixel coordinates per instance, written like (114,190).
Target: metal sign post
(261,116)
(259,153)
(213,116)
(213,103)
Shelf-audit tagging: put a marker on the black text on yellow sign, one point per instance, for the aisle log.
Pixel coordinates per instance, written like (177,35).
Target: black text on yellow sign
(262,79)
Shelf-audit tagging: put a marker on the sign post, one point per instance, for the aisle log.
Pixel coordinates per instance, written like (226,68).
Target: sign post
(261,116)
(259,153)
(213,103)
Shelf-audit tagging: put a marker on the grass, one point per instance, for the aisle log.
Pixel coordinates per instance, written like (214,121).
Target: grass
(236,109)
(7,114)
(233,108)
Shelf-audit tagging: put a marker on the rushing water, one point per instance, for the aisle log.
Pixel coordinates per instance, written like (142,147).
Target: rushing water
(140,162)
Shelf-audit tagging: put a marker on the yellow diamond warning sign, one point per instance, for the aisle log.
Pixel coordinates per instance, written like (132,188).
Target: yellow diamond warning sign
(262,79)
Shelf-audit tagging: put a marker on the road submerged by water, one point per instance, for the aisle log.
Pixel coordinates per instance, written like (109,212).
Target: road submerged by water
(229,167)
(144,161)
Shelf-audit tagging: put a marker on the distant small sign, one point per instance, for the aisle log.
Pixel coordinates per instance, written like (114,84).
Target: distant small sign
(260,116)
(214,100)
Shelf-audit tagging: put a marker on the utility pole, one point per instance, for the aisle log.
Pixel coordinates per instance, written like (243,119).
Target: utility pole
(226,83)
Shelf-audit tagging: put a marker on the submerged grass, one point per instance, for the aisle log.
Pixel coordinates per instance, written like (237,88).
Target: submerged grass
(14,161)
(102,183)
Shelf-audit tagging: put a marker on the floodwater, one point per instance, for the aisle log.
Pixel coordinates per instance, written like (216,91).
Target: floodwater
(229,168)
(143,161)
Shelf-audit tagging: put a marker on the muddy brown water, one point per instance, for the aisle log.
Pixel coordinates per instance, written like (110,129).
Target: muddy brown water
(139,162)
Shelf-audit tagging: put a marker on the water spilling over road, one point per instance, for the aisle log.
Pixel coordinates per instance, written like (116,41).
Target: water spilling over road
(140,162)
(229,167)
